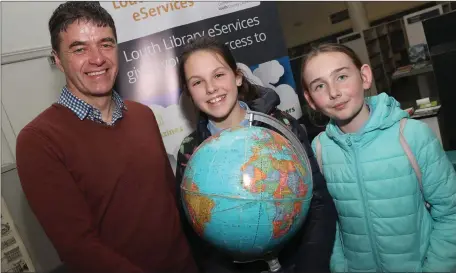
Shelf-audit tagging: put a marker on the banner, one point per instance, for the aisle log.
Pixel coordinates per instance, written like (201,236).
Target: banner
(151,36)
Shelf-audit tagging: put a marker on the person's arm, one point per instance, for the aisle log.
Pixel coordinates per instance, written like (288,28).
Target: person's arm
(320,226)
(439,189)
(60,208)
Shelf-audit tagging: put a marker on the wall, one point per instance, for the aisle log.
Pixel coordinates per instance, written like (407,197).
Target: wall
(23,99)
(5,151)
(7,156)
(315,22)
(28,87)
(31,19)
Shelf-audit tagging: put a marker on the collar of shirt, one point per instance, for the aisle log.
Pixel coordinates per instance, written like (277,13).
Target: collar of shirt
(84,110)
(245,122)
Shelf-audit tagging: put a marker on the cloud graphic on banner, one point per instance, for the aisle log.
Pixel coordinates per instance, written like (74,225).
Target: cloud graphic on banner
(249,75)
(289,101)
(269,73)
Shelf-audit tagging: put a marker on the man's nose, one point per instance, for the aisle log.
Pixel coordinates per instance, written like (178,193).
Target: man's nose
(96,57)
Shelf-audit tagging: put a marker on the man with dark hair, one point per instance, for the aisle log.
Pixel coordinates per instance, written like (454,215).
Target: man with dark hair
(93,167)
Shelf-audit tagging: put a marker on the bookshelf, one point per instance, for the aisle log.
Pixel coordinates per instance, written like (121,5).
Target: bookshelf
(387,50)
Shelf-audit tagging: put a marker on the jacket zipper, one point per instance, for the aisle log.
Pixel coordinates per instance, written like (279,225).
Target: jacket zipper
(365,208)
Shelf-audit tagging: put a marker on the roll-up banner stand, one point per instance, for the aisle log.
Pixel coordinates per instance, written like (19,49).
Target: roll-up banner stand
(151,36)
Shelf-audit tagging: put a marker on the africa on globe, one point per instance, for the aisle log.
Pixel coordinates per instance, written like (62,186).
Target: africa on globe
(246,191)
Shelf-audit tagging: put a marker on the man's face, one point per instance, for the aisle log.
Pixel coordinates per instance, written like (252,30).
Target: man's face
(88,57)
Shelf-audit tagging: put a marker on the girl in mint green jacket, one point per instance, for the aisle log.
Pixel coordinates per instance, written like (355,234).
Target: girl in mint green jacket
(384,222)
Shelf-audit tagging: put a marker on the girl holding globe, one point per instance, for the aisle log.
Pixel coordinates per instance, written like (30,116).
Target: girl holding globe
(209,74)
(393,186)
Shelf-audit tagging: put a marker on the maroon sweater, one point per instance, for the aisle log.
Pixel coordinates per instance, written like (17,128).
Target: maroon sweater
(104,195)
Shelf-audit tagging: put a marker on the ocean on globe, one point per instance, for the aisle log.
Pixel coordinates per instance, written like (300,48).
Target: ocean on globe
(246,191)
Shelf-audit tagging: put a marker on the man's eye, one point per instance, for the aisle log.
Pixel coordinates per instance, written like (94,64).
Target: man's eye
(342,77)
(79,50)
(107,45)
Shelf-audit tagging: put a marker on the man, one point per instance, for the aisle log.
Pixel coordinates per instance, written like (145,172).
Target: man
(93,167)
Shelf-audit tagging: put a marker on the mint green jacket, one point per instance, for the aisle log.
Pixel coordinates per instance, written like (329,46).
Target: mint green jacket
(383,223)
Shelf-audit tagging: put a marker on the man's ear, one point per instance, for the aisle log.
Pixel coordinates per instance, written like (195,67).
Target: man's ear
(309,100)
(58,62)
(366,76)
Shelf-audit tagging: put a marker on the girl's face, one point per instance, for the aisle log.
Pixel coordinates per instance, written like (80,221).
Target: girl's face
(335,85)
(212,83)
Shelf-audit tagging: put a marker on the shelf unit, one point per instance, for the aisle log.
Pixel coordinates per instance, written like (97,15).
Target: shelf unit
(414,72)
(387,48)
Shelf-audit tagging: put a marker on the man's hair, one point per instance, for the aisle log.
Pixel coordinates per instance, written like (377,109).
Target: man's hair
(72,11)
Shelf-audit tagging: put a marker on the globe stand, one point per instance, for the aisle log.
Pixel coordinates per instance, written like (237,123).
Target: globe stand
(274,266)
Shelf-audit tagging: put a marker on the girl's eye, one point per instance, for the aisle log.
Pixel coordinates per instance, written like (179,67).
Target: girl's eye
(319,86)
(196,83)
(218,75)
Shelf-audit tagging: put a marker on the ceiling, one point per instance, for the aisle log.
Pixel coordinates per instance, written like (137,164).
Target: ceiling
(305,21)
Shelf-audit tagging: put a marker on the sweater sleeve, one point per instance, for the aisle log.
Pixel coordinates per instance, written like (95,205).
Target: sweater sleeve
(60,208)
(439,189)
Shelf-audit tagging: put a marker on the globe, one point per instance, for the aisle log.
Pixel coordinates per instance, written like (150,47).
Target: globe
(246,191)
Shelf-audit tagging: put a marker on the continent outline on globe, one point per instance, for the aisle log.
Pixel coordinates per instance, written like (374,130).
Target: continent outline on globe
(270,183)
